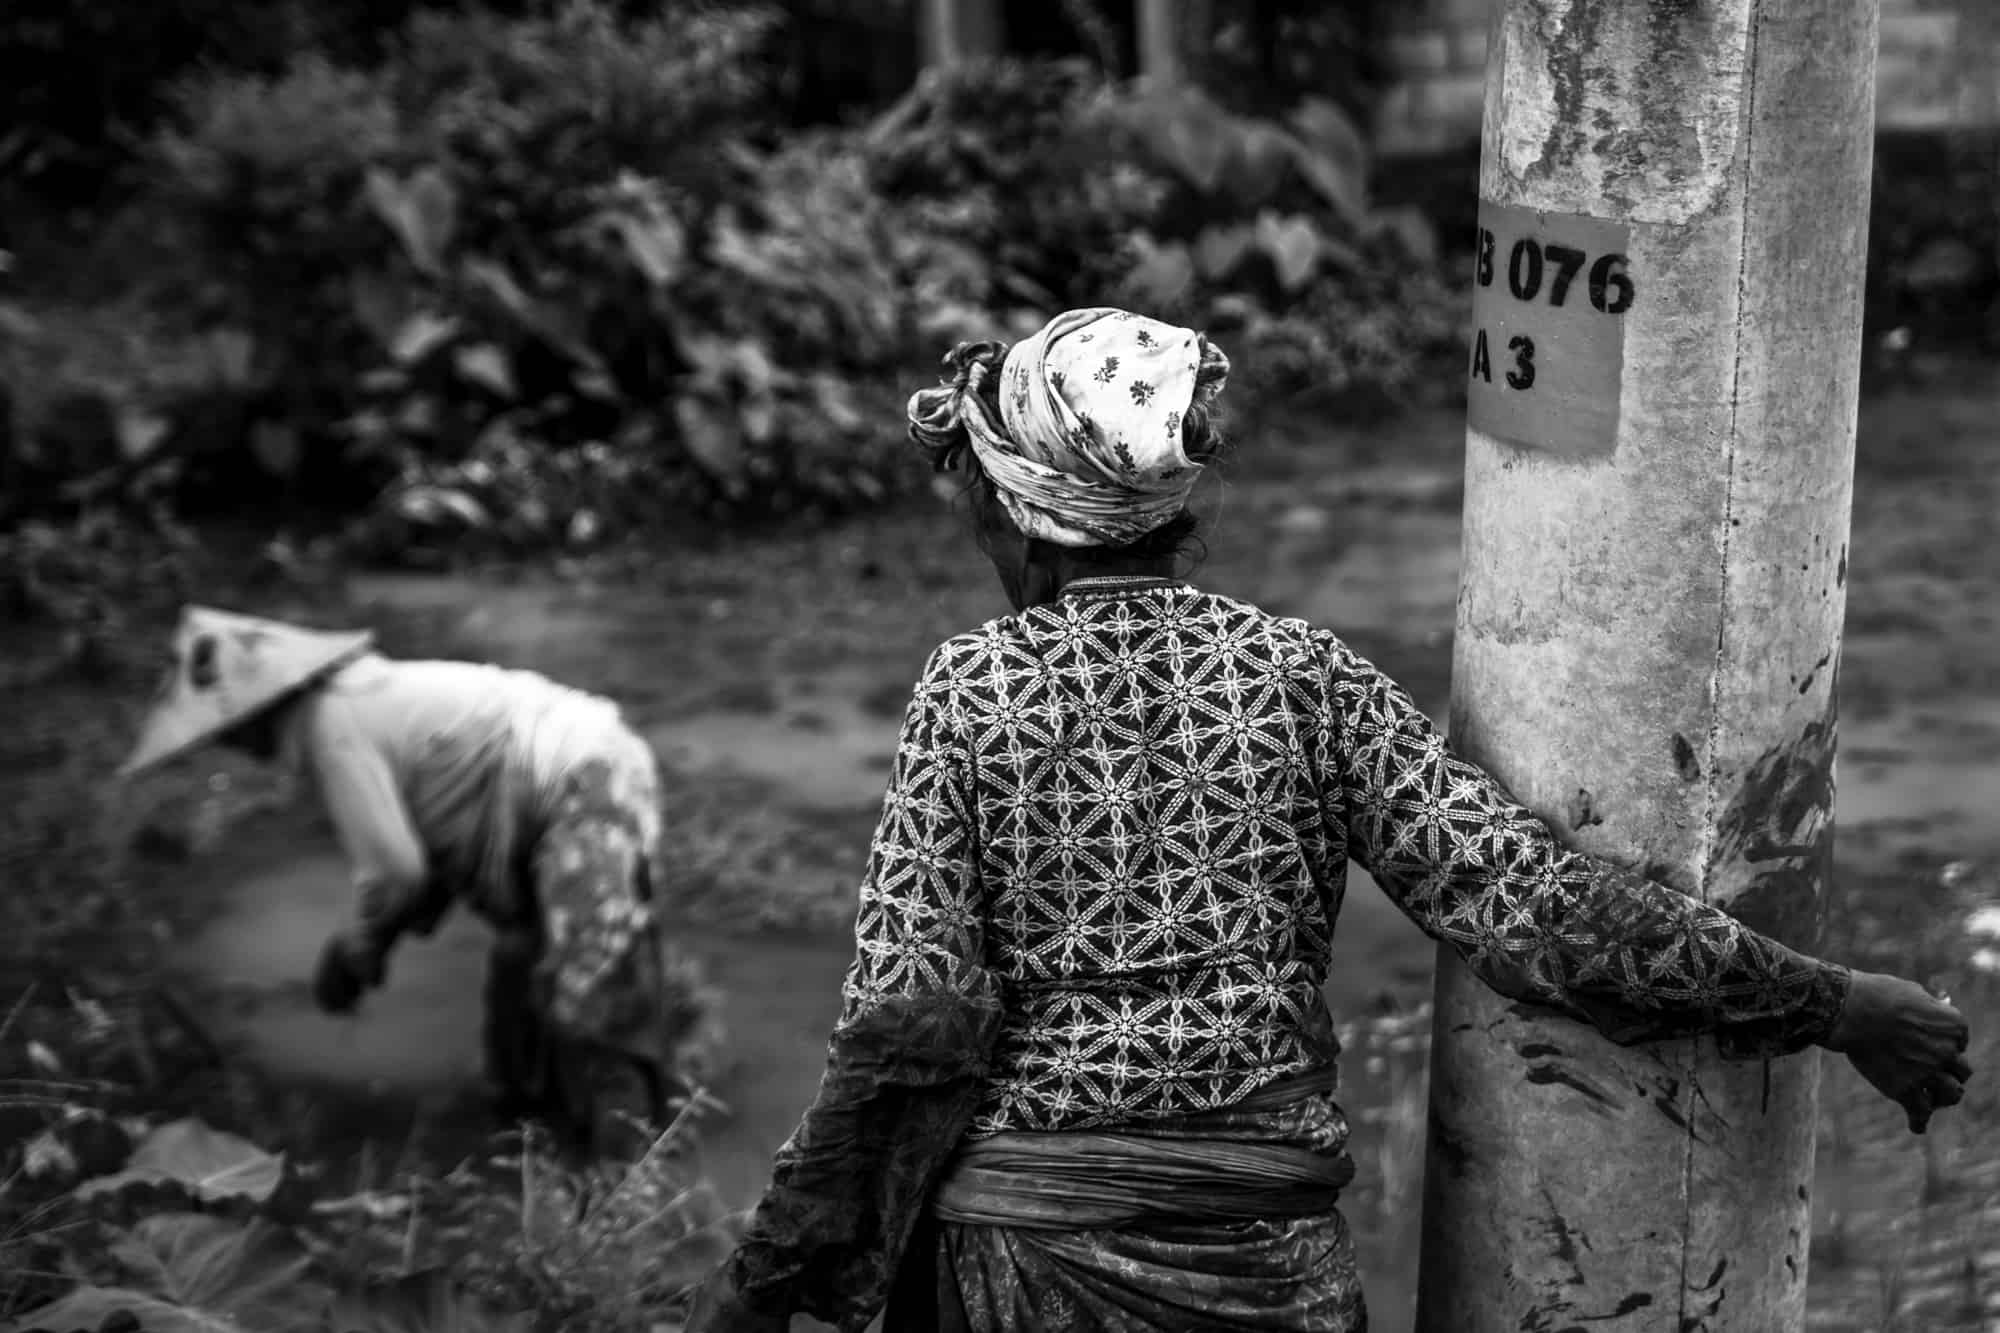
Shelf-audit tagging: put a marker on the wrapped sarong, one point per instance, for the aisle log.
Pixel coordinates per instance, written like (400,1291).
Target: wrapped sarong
(587,1007)
(1220,1220)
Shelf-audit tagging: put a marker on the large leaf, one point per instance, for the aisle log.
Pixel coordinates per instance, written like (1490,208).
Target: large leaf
(17,323)
(1219,249)
(712,358)
(948,322)
(200,1260)
(594,384)
(656,243)
(139,430)
(419,335)
(47,1155)
(1293,243)
(713,440)
(836,403)
(88,1308)
(380,304)
(1260,164)
(545,322)
(434,506)
(422,211)
(753,364)
(733,247)
(1162,274)
(757,412)
(1332,154)
(487,365)
(190,1273)
(209,1163)
(1192,135)
(1412,230)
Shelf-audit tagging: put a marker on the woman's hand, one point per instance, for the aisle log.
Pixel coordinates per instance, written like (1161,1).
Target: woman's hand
(1907,1042)
(352,963)
(719,1308)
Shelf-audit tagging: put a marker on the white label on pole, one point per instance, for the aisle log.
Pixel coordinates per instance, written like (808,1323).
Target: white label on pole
(1550,293)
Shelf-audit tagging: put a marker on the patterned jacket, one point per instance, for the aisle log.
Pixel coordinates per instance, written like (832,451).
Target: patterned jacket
(1104,888)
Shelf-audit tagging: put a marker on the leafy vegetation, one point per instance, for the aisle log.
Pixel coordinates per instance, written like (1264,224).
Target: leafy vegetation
(543,280)
(114,1218)
(1256,229)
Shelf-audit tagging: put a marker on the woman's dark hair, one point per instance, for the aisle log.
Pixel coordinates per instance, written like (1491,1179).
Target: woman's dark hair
(937,428)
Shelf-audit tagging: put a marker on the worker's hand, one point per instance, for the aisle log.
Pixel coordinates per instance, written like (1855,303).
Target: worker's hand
(426,908)
(352,963)
(719,1308)
(1907,1042)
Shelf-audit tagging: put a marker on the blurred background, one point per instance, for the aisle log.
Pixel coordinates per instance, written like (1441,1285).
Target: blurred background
(576,337)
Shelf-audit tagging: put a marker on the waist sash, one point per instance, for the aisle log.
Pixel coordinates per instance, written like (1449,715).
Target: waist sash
(1085,1180)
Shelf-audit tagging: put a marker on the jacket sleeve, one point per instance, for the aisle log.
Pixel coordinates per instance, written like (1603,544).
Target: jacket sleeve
(1541,923)
(908,1058)
(365,803)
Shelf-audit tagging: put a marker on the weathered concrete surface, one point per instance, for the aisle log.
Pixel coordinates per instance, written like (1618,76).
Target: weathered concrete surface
(1647,648)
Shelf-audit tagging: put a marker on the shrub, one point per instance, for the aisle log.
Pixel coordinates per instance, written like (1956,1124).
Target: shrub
(1258,229)
(547,278)
(529,238)
(709,363)
(259,180)
(79,83)
(994,156)
(523,114)
(204,1229)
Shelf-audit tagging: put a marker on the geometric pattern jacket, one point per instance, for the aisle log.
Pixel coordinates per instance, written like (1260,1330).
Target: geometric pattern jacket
(1127,814)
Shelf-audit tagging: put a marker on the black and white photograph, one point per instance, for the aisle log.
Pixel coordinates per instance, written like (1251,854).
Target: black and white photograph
(984,666)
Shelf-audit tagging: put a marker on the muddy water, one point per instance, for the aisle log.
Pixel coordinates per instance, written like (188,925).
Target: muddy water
(417,1040)
(815,744)
(420,1033)
(419,1036)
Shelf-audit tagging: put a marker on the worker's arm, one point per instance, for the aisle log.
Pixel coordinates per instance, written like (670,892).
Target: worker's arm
(1638,961)
(1535,920)
(390,870)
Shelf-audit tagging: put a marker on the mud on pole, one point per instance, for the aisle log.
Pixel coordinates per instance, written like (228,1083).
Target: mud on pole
(1659,461)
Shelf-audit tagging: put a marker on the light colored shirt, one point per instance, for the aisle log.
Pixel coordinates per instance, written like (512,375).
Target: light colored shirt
(438,776)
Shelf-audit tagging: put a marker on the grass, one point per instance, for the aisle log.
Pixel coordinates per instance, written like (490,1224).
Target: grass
(522,1225)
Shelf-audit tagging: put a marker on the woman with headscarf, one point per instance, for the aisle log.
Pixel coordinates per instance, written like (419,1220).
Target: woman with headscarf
(1083,1077)
(445,781)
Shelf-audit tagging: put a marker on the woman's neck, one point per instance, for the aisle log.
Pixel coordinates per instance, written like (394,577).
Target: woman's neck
(1069,571)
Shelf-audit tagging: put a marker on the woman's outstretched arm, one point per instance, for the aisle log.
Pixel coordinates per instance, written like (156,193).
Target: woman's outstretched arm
(1539,922)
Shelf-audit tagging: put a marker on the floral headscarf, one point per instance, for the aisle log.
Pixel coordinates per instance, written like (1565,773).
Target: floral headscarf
(1091,405)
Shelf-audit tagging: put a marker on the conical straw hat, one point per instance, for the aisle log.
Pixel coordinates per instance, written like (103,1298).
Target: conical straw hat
(226,667)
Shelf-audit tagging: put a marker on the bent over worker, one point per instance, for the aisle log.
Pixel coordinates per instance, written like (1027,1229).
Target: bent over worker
(532,802)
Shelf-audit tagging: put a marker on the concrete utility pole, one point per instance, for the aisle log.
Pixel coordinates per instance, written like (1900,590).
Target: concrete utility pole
(1659,458)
